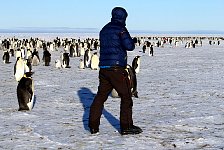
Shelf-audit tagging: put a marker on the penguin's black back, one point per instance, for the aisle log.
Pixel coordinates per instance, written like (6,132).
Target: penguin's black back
(24,93)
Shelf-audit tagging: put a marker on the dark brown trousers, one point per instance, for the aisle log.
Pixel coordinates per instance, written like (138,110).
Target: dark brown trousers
(110,78)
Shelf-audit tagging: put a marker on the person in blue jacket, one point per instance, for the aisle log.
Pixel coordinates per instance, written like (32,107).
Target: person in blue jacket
(115,41)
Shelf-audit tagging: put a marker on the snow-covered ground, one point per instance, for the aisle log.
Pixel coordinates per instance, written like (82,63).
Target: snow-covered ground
(180,104)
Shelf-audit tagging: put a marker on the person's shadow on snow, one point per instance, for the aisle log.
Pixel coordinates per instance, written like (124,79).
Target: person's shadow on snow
(86,98)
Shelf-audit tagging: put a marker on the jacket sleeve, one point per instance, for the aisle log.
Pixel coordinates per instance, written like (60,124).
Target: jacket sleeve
(126,41)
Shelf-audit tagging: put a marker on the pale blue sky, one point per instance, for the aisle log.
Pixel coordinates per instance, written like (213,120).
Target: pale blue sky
(155,15)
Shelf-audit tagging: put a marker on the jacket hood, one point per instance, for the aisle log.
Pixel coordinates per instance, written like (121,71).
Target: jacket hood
(119,14)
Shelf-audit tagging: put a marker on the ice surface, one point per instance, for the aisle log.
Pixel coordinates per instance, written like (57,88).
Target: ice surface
(180,104)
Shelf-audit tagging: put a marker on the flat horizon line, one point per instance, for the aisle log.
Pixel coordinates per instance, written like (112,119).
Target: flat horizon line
(96,30)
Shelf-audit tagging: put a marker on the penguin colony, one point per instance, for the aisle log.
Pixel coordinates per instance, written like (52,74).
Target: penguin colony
(26,53)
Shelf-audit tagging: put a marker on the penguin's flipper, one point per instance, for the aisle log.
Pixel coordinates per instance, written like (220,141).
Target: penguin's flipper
(31,103)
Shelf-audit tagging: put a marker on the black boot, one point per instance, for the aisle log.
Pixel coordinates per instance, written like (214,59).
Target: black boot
(131,130)
(94,131)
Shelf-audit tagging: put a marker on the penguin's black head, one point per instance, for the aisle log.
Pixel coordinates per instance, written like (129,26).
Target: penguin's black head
(29,74)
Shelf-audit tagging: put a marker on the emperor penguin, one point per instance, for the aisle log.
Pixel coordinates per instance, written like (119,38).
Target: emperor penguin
(136,64)
(67,47)
(35,58)
(29,54)
(58,64)
(39,43)
(65,60)
(81,64)
(87,58)
(94,61)
(23,53)
(133,80)
(6,57)
(19,68)
(82,51)
(77,50)
(72,51)
(11,52)
(52,46)
(28,65)
(25,92)
(151,51)
(46,57)
(35,61)
(133,83)
(18,53)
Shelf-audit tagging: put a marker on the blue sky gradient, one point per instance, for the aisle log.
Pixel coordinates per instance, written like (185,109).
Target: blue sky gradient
(153,15)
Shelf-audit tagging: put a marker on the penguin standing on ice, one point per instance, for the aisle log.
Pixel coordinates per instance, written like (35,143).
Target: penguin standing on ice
(133,80)
(6,57)
(11,52)
(144,48)
(25,92)
(23,52)
(94,61)
(52,46)
(81,64)
(58,64)
(65,60)
(151,52)
(87,58)
(47,57)
(77,50)
(136,64)
(133,83)
(82,51)
(35,58)
(19,68)
(18,53)
(72,50)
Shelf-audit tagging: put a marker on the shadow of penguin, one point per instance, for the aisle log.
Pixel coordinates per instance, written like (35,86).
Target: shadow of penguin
(86,98)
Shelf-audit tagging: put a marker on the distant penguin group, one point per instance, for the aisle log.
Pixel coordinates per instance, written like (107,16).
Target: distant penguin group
(27,56)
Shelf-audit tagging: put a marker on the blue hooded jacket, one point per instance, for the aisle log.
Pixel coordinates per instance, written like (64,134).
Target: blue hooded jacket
(115,40)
